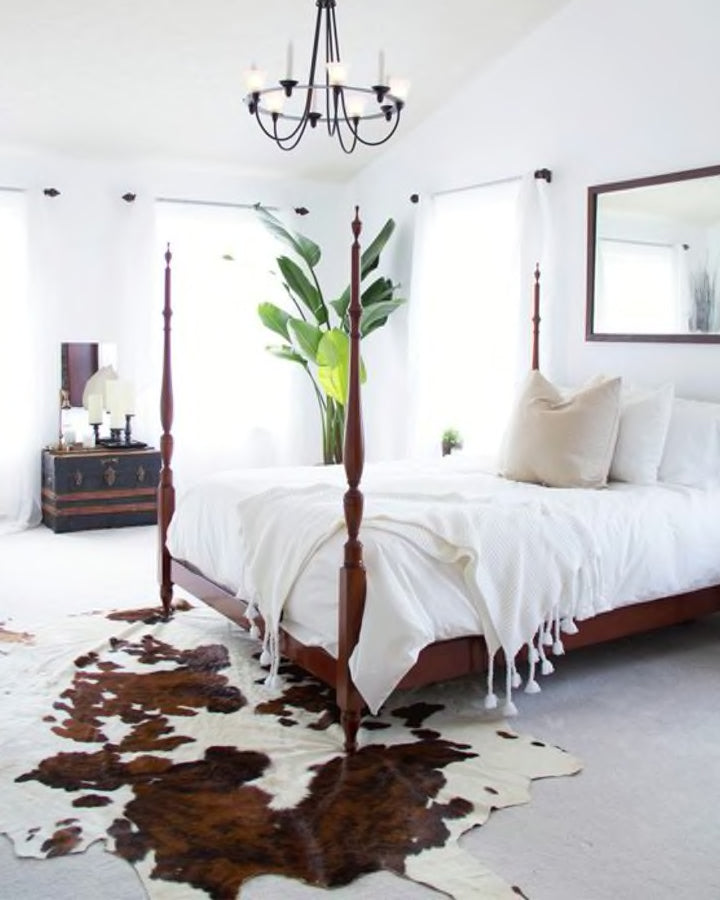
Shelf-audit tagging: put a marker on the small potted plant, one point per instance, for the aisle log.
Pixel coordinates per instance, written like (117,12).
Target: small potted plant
(451,440)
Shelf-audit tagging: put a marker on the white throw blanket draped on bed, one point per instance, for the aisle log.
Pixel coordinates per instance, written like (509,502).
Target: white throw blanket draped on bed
(526,565)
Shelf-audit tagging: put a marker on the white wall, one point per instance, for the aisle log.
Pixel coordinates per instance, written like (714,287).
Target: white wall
(606,90)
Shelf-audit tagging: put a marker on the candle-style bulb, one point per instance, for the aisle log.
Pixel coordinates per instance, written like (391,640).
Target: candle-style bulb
(337,73)
(254,79)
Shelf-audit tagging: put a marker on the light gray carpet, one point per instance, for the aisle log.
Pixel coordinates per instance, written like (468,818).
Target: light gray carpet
(642,820)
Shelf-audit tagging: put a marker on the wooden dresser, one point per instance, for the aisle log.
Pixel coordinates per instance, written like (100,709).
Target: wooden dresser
(99,488)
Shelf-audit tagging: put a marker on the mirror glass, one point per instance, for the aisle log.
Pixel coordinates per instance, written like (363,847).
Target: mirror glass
(653,258)
(78,361)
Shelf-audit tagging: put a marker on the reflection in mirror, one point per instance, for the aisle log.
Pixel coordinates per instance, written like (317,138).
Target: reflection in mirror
(78,362)
(653,258)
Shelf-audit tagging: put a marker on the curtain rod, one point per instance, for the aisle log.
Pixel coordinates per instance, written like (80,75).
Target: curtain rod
(540,174)
(641,243)
(480,184)
(12,190)
(222,203)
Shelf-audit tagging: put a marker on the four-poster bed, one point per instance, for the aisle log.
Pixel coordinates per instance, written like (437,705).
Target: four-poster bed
(437,659)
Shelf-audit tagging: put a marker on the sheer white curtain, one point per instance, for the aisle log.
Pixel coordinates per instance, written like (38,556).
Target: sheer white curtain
(235,405)
(20,445)
(470,331)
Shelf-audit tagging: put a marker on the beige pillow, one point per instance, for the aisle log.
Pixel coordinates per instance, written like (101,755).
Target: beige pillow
(563,440)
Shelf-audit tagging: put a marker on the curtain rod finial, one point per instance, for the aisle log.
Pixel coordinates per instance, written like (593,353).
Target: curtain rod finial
(544,174)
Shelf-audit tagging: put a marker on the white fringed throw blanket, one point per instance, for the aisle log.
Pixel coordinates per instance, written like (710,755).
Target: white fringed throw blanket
(527,565)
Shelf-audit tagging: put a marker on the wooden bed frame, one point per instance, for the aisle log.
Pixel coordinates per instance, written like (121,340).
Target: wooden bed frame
(439,661)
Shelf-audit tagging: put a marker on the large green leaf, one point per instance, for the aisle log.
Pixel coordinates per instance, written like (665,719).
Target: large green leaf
(287,352)
(379,292)
(275,319)
(381,289)
(308,337)
(301,286)
(306,249)
(376,315)
(333,358)
(371,255)
(341,304)
(368,261)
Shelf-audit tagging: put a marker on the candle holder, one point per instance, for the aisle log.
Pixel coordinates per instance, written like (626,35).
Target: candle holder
(116,435)
(96,430)
(128,428)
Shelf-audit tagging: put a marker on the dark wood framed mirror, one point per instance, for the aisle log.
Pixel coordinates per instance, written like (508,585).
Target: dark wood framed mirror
(653,258)
(78,361)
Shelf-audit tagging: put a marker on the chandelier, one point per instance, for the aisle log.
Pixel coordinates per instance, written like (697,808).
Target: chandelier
(284,112)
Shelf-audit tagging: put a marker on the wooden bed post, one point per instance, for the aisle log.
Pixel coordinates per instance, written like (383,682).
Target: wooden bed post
(352,574)
(536,319)
(166,490)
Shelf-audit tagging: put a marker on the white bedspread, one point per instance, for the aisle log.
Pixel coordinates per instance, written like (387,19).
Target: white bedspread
(444,557)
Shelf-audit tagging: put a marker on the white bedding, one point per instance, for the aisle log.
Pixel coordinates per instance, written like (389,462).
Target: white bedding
(444,558)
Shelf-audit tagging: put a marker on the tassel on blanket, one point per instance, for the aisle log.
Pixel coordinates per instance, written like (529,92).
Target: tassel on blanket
(546,667)
(569,627)
(509,708)
(531,686)
(557,647)
(251,613)
(272,657)
(491,700)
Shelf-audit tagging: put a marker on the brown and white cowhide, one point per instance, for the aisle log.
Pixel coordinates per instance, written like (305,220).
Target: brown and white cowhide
(161,739)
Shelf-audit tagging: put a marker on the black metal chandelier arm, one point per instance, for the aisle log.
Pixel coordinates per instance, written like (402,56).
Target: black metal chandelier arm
(382,140)
(340,135)
(332,41)
(294,136)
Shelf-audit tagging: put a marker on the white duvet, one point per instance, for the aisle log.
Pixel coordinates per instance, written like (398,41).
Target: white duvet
(450,550)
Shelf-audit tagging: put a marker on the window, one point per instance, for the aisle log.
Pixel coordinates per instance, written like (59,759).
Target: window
(233,400)
(464,334)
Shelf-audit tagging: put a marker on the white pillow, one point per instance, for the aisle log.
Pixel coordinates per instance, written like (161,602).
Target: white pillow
(644,420)
(692,448)
(563,441)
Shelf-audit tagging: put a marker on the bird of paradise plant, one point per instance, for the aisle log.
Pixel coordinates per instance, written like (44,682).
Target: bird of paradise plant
(316,332)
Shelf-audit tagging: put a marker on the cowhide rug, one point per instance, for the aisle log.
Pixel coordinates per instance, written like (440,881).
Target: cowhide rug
(161,739)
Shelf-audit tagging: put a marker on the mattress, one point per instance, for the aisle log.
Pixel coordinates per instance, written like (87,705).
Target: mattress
(629,543)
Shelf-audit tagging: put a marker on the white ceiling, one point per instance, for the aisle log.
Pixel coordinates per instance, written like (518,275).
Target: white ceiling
(163,79)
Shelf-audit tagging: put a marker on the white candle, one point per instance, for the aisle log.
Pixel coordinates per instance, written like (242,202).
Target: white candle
(116,402)
(95,409)
(129,393)
(381,76)
(289,61)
